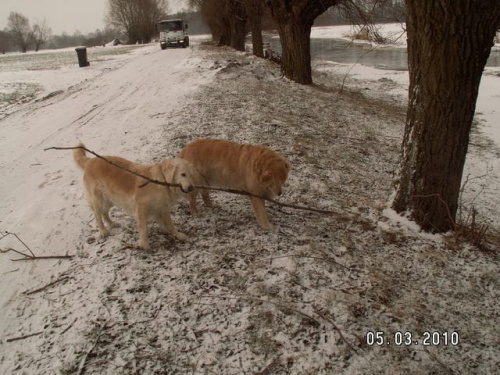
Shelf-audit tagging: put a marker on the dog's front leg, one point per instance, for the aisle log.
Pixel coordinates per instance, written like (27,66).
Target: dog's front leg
(192,203)
(260,213)
(166,224)
(141,218)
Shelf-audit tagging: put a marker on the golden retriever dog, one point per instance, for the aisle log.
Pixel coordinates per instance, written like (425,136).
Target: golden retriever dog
(107,185)
(224,164)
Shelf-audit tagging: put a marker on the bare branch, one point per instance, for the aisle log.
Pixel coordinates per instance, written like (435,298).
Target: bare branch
(24,337)
(47,286)
(231,191)
(26,246)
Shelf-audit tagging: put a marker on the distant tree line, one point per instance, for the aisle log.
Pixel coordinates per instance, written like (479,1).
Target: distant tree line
(20,35)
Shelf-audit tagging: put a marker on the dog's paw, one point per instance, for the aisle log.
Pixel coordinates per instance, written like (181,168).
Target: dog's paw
(268,227)
(104,234)
(181,236)
(144,245)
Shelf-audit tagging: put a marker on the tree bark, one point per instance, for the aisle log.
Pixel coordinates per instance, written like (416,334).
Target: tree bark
(254,9)
(237,19)
(294,20)
(257,43)
(449,42)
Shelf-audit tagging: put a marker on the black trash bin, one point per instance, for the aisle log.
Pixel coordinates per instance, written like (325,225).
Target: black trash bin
(82,56)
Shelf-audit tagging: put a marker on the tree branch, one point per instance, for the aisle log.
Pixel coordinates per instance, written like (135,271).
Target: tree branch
(47,286)
(231,191)
(24,337)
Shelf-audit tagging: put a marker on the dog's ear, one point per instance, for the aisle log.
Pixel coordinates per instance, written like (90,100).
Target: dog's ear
(266,176)
(168,168)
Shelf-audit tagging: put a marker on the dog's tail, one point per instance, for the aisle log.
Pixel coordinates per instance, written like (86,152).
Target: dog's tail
(80,156)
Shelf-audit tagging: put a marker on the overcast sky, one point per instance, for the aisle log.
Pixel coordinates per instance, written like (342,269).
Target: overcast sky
(66,15)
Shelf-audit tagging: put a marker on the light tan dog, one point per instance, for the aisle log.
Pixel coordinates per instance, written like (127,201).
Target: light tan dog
(254,169)
(107,185)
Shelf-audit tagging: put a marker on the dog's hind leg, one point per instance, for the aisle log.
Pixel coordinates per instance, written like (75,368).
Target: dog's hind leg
(260,213)
(98,217)
(108,220)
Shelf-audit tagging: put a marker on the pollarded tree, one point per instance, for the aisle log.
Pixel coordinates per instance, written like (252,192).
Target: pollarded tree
(294,19)
(237,20)
(255,10)
(215,13)
(226,19)
(449,42)
(20,31)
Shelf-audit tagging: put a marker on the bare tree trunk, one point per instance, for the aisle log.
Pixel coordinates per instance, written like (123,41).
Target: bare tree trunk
(449,42)
(257,43)
(294,23)
(255,10)
(296,52)
(237,19)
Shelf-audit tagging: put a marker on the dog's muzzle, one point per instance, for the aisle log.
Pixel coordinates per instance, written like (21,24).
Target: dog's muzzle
(189,189)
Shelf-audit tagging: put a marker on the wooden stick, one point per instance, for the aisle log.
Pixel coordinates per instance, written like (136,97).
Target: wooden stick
(24,337)
(15,235)
(47,286)
(44,257)
(298,312)
(231,191)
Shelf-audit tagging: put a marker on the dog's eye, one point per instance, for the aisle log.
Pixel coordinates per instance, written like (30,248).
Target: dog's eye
(183,175)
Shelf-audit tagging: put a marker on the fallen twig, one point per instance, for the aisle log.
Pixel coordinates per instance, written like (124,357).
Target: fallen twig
(47,286)
(44,257)
(28,256)
(24,337)
(270,368)
(324,317)
(26,246)
(83,361)
(68,327)
(231,191)
(282,306)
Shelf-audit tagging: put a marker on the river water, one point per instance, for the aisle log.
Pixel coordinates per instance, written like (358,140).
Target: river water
(383,57)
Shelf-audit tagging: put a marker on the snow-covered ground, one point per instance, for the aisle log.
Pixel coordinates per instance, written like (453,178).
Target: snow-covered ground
(234,299)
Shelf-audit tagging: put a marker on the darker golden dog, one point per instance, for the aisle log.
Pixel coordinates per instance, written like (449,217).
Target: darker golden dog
(254,169)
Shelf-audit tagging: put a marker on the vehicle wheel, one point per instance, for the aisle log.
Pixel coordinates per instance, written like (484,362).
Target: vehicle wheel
(163,46)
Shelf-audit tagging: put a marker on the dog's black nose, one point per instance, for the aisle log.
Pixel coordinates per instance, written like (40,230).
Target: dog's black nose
(190,189)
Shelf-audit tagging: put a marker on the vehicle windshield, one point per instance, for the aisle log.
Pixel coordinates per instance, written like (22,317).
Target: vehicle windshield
(171,25)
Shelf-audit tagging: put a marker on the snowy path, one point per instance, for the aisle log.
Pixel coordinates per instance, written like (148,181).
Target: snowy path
(41,194)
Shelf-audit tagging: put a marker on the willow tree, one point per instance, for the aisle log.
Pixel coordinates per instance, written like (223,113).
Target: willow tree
(255,11)
(449,42)
(237,16)
(294,19)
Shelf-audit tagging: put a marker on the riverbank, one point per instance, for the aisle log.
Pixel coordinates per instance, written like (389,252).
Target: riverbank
(310,297)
